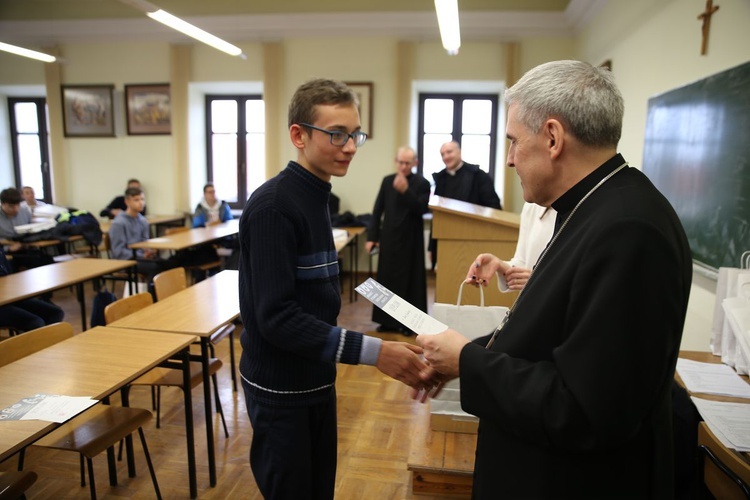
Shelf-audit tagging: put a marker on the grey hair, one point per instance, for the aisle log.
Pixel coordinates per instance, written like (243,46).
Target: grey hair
(583,97)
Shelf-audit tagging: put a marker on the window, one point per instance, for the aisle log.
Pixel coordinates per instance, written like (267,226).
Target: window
(235,146)
(30,144)
(469,119)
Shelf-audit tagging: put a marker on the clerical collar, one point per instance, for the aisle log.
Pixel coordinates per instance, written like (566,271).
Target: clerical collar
(455,170)
(565,203)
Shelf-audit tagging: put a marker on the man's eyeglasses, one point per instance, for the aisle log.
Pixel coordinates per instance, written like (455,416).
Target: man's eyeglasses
(339,138)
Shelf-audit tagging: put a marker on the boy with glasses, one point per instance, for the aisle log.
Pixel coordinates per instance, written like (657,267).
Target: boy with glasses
(290,298)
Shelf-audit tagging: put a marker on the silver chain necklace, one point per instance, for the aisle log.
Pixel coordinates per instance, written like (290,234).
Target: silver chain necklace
(552,242)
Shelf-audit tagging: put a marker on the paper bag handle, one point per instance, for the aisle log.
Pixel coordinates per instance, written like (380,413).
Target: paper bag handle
(461,291)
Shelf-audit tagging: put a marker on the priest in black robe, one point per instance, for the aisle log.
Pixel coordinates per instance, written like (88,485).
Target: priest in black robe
(573,391)
(397,230)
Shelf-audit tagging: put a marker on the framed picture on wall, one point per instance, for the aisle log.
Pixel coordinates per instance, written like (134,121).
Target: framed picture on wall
(88,111)
(364,92)
(148,108)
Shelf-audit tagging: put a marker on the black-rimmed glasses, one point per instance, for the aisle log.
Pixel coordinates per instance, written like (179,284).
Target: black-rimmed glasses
(339,138)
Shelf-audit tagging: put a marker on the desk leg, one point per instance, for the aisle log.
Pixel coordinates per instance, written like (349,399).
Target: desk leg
(82,302)
(125,396)
(189,431)
(209,412)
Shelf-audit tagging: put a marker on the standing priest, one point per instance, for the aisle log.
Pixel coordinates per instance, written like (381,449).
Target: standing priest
(397,229)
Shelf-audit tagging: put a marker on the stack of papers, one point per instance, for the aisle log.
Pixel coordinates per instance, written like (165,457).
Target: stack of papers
(730,422)
(712,378)
(47,407)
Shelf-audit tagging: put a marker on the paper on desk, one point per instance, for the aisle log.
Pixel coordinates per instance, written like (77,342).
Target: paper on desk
(399,309)
(730,422)
(712,378)
(47,407)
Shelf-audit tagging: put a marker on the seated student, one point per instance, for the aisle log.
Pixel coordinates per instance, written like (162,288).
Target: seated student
(27,314)
(29,199)
(118,204)
(211,209)
(130,226)
(12,214)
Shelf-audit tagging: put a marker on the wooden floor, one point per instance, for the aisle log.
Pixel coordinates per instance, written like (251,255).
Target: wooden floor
(376,423)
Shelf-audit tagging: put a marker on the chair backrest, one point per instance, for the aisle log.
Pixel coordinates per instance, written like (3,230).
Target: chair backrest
(178,229)
(32,341)
(127,305)
(725,474)
(169,282)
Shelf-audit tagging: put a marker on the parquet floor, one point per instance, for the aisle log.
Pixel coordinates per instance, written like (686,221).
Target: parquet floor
(375,428)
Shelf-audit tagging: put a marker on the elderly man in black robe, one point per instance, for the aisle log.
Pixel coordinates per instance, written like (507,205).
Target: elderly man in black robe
(397,230)
(573,391)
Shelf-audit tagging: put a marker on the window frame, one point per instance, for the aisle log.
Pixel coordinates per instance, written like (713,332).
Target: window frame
(44,150)
(458,98)
(240,99)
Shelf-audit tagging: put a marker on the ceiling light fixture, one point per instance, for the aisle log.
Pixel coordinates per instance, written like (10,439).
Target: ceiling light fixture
(174,22)
(20,51)
(450,32)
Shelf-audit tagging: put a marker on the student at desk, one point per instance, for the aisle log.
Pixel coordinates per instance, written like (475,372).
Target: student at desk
(129,227)
(12,214)
(27,314)
(211,209)
(118,205)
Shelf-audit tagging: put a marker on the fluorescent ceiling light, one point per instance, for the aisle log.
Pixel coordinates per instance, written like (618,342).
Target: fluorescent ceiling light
(450,32)
(39,56)
(178,24)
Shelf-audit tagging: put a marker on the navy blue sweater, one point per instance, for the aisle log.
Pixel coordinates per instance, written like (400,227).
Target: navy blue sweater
(290,294)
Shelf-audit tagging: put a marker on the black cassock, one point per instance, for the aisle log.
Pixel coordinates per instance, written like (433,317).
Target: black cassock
(400,233)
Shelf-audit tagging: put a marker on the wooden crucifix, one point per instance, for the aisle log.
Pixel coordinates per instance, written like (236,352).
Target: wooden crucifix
(705,16)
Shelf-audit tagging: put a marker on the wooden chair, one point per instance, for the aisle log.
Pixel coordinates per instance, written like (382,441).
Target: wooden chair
(13,484)
(172,281)
(725,474)
(93,431)
(165,377)
(203,268)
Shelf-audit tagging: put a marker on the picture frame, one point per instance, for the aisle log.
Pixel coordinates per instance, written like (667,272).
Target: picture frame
(148,108)
(88,110)
(364,91)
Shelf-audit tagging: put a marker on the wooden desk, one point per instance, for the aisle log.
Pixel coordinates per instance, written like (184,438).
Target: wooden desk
(463,231)
(95,363)
(351,241)
(441,463)
(154,222)
(43,279)
(198,310)
(193,237)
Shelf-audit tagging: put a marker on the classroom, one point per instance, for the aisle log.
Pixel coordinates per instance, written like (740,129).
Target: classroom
(394,47)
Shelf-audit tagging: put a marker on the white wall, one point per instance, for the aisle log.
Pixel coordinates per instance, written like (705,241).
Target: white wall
(654,46)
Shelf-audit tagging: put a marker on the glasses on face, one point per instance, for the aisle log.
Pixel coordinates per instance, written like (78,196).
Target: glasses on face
(339,138)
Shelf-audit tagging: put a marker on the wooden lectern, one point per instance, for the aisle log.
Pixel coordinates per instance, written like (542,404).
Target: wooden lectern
(463,231)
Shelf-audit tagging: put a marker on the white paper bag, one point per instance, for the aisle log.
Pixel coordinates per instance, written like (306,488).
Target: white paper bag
(737,311)
(471,321)
(726,287)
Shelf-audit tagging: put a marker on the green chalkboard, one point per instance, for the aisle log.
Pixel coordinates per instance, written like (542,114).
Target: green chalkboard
(697,152)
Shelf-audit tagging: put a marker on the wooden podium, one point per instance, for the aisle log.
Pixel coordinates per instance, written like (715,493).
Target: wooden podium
(463,231)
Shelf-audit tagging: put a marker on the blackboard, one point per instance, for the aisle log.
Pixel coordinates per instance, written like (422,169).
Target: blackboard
(697,153)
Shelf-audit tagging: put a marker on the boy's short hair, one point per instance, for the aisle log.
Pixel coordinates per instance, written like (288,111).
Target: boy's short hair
(208,185)
(10,196)
(317,92)
(130,192)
